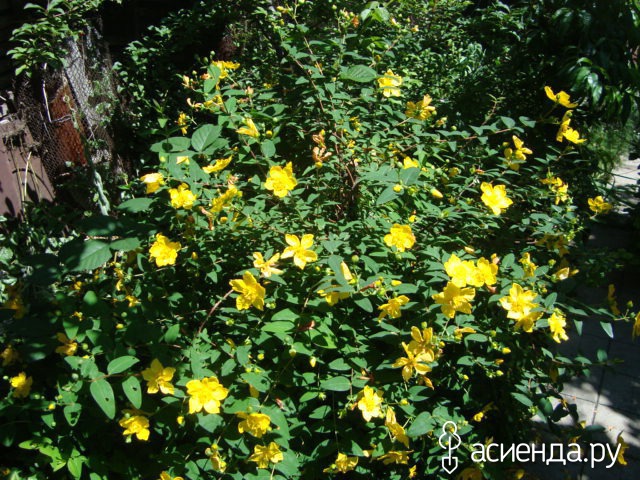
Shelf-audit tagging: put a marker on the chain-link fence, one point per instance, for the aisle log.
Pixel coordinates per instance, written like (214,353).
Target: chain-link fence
(64,111)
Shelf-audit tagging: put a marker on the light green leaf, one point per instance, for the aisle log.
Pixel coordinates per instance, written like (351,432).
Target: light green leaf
(93,254)
(336,384)
(422,424)
(133,391)
(359,73)
(102,393)
(120,364)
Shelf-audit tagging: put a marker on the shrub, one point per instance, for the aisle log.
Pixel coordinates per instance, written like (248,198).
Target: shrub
(317,277)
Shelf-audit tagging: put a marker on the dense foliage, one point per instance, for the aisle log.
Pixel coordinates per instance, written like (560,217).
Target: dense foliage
(318,271)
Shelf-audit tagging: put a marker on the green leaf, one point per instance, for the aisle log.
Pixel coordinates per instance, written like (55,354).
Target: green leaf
(421,425)
(523,399)
(287,315)
(92,254)
(74,465)
(359,73)
(136,205)
(102,393)
(365,304)
(336,384)
(72,413)
(386,196)
(608,328)
(268,148)
(278,327)
(133,391)
(125,244)
(508,122)
(172,334)
(120,364)
(179,144)
(476,337)
(204,136)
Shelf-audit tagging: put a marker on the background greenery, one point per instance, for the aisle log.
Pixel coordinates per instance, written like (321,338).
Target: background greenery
(310,78)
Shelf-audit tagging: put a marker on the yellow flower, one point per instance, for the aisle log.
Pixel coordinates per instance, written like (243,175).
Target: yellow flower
(459,332)
(636,327)
(369,402)
(564,125)
(454,299)
(346,273)
(390,84)
(561,98)
(343,464)
(573,136)
(263,455)
(137,425)
(221,164)
(413,362)
(528,265)
(471,473)
(401,237)
(517,155)
(462,273)
(206,394)
(68,347)
(183,122)
(182,197)
(9,356)
(21,385)
(409,162)
(281,180)
(166,476)
(159,378)
(485,272)
(15,302)
(421,342)
(217,462)
(164,251)
(153,181)
(332,297)
(396,430)
(420,110)
(495,197)
(257,424)
(133,301)
(519,305)
(299,250)
(623,447)
(557,322)
(266,267)
(597,205)
(182,159)
(392,307)
(220,202)
(249,128)
(225,67)
(558,186)
(611,299)
(251,292)
(394,457)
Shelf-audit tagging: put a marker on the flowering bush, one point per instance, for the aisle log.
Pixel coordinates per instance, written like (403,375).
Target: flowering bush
(318,275)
